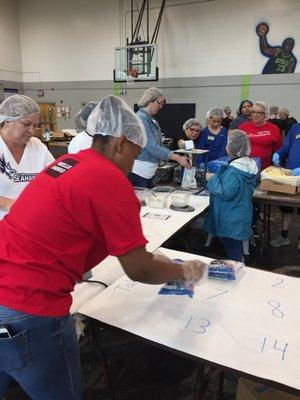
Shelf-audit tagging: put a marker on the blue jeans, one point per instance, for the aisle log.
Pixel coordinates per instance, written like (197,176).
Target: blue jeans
(233,248)
(41,355)
(139,181)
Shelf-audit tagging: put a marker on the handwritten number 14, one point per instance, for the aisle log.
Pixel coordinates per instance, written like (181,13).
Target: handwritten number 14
(275,347)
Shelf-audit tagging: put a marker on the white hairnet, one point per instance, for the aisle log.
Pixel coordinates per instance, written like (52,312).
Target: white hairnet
(215,112)
(191,122)
(83,114)
(113,117)
(150,95)
(16,107)
(238,144)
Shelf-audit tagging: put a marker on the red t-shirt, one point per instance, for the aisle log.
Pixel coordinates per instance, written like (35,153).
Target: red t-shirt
(265,140)
(74,214)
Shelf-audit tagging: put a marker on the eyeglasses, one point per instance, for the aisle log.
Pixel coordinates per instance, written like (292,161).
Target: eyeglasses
(257,112)
(160,102)
(196,130)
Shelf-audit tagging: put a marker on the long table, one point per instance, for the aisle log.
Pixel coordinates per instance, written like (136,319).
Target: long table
(250,325)
(156,231)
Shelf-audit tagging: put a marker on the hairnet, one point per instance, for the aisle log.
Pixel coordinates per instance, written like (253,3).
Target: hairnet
(191,122)
(238,144)
(150,95)
(242,105)
(83,114)
(273,110)
(16,107)
(215,112)
(113,117)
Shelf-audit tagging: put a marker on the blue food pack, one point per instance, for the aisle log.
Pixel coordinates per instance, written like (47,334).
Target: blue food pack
(178,288)
(224,269)
(214,165)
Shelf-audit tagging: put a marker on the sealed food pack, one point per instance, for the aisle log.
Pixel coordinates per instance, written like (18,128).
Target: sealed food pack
(225,269)
(177,288)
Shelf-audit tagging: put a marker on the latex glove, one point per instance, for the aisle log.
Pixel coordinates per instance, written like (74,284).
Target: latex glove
(276,159)
(184,162)
(296,171)
(194,271)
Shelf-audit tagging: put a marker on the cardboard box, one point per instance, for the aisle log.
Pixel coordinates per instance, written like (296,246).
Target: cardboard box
(271,186)
(250,390)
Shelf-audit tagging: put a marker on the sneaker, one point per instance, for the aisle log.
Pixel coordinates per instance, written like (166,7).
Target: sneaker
(280,241)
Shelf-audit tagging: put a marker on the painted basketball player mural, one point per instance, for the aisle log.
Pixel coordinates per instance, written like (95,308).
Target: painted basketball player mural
(281,59)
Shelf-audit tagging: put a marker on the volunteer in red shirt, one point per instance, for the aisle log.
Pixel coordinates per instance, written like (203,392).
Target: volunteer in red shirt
(76,212)
(264,136)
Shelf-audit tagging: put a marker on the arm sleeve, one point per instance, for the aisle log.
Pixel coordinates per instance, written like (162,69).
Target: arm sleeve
(222,151)
(277,138)
(152,147)
(286,145)
(225,190)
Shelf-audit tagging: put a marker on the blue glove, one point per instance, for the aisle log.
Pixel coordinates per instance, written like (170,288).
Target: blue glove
(276,159)
(296,172)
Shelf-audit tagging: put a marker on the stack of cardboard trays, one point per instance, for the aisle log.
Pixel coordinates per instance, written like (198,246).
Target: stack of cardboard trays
(250,390)
(279,180)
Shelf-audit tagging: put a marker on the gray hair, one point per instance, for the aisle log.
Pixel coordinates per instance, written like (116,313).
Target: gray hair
(262,105)
(238,144)
(150,95)
(284,111)
(83,114)
(113,117)
(191,122)
(273,110)
(17,107)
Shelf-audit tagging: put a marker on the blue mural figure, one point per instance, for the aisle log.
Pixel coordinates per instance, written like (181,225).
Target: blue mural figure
(281,59)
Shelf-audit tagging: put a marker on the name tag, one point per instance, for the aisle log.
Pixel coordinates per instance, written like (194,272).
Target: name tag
(210,138)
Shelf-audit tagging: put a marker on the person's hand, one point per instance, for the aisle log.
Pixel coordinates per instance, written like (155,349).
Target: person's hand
(184,162)
(194,271)
(208,175)
(181,144)
(296,172)
(262,29)
(276,159)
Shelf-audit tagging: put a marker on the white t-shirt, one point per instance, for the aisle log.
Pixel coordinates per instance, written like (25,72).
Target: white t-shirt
(145,169)
(15,177)
(81,141)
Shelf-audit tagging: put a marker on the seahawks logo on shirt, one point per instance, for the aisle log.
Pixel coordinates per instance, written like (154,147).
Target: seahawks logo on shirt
(12,174)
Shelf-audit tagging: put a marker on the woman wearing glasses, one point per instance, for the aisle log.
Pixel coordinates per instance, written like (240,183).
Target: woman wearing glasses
(264,136)
(191,131)
(145,166)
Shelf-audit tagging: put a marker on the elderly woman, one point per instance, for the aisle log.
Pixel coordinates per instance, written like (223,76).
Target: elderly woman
(191,131)
(21,155)
(244,114)
(145,166)
(213,137)
(82,140)
(264,136)
(230,209)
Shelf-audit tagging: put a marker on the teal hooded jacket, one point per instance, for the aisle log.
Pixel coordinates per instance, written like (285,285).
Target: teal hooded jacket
(230,209)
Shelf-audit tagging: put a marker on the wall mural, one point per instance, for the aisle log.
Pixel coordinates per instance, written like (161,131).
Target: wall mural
(281,59)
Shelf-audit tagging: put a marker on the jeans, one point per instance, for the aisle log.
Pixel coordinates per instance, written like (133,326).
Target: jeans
(233,248)
(41,354)
(139,181)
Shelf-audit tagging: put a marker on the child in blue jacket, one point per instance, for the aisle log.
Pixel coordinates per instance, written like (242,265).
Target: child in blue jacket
(231,188)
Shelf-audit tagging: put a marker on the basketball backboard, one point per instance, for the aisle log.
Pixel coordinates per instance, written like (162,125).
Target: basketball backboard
(138,63)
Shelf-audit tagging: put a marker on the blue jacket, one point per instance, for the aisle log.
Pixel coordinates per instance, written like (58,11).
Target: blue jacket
(154,151)
(230,208)
(291,147)
(216,144)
